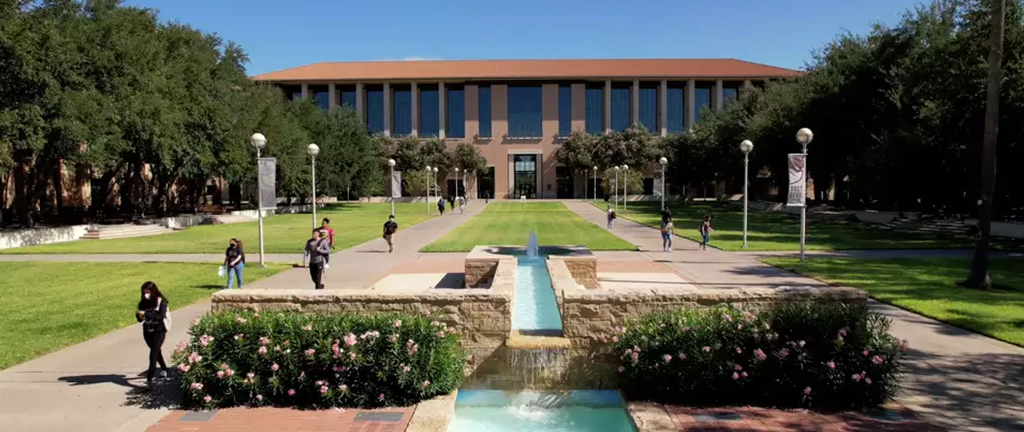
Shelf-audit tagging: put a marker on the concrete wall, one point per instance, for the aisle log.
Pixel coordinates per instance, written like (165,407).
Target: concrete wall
(39,236)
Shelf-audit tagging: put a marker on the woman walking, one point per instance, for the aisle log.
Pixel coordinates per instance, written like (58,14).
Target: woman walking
(234,261)
(705,231)
(152,313)
(667,231)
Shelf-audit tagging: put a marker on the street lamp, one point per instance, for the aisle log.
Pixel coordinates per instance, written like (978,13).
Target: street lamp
(437,188)
(456,182)
(391,163)
(616,189)
(625,181)
(663,161)
(746,146)
(804,136)
(428,189)
(595,183)
(259,141)
(313,150)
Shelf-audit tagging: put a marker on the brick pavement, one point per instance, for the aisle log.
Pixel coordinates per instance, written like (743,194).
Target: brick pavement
(750,419)
(285,420)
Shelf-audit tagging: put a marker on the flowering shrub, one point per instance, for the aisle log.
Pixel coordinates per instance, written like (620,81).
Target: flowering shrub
(832,356)
(338,360)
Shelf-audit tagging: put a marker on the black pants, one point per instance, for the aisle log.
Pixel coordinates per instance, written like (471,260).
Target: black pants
(155,342)
(316,271)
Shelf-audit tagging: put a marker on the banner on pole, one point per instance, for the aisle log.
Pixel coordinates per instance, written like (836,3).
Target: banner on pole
(657,186)
(268,183)
(797,180)
(396,184)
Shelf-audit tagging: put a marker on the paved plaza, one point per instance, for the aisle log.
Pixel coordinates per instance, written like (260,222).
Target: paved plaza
(956,380)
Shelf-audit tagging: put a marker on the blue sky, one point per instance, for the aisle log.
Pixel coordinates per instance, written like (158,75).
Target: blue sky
(287,33)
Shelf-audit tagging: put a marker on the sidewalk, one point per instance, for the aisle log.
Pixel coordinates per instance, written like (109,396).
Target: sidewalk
(955,378)
(95,385)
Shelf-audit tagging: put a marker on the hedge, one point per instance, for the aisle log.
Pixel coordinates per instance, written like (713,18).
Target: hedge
(820,355)
(339,360)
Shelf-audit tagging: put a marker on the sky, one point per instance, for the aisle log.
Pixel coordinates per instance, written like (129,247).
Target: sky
(281,34)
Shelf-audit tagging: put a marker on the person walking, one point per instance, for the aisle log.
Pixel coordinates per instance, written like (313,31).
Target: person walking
(705,231)
(328,234)
(390,228)
(234,261)
(440,206)
(156,321)
(611,217)
(462,205)
(316,249)
(667,231)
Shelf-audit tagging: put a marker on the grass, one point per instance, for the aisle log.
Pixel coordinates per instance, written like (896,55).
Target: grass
(510,223)
(777,231)
(353,224)
(50,305)
(928,287)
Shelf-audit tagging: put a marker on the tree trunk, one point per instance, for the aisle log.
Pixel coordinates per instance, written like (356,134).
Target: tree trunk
(979,277)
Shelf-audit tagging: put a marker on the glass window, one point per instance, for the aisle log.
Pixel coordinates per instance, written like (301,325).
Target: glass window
(524,111)
(593,111)
(484,111)
(375,108)
(729,94)
(321,95)
(455,107)
(702,101)
(401,110)
(676,107)
(348,96)
(564,110)
(649,107)
(291,92)
(430,118)
(620,107)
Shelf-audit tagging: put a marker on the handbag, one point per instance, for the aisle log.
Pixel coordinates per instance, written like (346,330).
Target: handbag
(220,271)
(167,316)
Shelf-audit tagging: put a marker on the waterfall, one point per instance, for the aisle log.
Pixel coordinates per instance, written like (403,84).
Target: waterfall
(532,249)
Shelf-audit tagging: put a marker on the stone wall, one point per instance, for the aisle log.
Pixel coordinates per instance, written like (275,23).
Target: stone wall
(583,270)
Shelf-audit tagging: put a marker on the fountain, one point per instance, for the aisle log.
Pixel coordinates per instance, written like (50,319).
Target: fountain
(532,249)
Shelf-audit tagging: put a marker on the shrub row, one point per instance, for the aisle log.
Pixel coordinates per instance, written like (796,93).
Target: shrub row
(826,356)
(339,360)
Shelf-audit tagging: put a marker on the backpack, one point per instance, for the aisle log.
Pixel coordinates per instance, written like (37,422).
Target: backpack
(152,319)
(389,227)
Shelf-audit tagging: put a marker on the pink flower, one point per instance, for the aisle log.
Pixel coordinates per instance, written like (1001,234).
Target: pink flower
(308,327)
(801,345)
(259,398)
(249,376)
(738,367)
(877,360)
(707,349)
(728,318)
(857,377)
(398,323)
(350,340)
(406,369)
(302,375)
(426,383)
(735,375)
(291,392)
(414,349)
(426,312)
(194,357)
(744,374)
(323,390)
(262,350)
(205,340)
(224,366)
(393,338)
(867,380)
(739,327)
(196,386)
(207,398)
(615,339)
(636,349)
(783,352)
(274,367)
(621,369)
(195,322)
(807,391)
(239,336)
(682,356)
(760,355)
(229,372)
(321,382)
(381,397)
(739,350)
(352,356)
(440,334)
(636,357)
(180,348)
(866,353)
(310,352)
(220,374)
(184,367)
(831,365)
(667,358)
(629,351)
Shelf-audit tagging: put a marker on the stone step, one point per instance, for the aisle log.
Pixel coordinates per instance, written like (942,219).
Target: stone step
(104,232)
(229,219)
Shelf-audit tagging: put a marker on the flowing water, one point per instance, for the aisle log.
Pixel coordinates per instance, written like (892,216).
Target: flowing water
(576,411)
(535,307)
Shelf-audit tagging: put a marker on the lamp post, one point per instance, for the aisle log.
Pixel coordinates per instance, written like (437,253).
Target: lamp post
(746,146)
(625,181)
(595,183)
(804,136)
(616,189)
(428,188)
(456,182)
(663,161)
(436,187)
(313,150)
(259,141)
(391,163)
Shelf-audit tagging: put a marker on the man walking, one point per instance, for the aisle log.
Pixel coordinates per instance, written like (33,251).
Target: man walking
(390,228)
(316,249)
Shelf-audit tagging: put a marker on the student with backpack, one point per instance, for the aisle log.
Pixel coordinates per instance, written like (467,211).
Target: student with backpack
(153,313)
(440,206)
(390,228)
(611,217)
(316,249)
(705,232)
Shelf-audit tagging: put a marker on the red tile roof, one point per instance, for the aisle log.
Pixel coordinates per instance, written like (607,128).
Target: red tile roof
(528,69)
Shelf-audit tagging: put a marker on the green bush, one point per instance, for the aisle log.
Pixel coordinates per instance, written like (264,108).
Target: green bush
(338,360)
(826,356)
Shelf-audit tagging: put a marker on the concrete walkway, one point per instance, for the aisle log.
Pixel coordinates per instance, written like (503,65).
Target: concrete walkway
(878,254)
(96,386)
(955,378)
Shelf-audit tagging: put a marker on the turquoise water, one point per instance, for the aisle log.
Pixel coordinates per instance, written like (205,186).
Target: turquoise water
(578,411)
(535,306)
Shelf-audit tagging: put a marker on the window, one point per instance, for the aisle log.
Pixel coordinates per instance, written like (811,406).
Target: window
(702,101)
(321,96)
(620,107)
(593,111)
(564,110)
(524,111)
(729,95)
(401,110)
(649,107)
(676,107)
(484,110)
(525,176)
(430,116)
(291,92)
(375,108)
(348,96)
(455,115)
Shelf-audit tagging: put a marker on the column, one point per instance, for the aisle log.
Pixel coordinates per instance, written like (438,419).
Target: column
(332,92)
(691,90)
(387,109)
(634,102)
(719,101)
(360,97)
(663,107)
(442,103)
(305,91)
(608,106)
(415,109)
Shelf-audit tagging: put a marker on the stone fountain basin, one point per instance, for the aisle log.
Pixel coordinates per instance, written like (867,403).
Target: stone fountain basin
(482,262)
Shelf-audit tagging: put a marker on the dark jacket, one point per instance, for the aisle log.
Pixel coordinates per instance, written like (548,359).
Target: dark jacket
(153,315)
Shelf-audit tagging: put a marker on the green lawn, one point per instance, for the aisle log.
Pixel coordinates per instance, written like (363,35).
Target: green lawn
(510,223)
(778,231)
(928,287)
(50,305)
(353,224)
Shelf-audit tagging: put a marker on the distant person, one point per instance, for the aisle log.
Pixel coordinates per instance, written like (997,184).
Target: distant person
(440,206)
(462,205)
(666,216)
(705,231)
(152,313)
(325,225)
(316,249)
(390,228)
(667,232)
(451,203)
(611,217)
(234,261)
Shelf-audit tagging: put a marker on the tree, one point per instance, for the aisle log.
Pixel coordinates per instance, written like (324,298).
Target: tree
(467,157)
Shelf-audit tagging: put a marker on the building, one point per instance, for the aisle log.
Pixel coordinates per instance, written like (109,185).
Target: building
(517,111)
